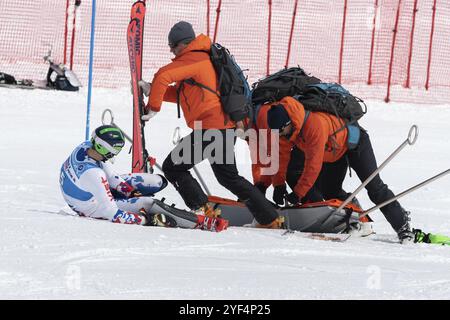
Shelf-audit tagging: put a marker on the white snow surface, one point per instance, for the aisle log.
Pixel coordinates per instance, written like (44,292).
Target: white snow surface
(48,253)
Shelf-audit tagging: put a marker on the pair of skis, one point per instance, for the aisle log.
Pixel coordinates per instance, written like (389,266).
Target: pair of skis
(135,37)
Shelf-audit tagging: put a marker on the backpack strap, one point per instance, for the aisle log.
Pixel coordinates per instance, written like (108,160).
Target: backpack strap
(195,83)
(255,112)
(304,121)
(178,98)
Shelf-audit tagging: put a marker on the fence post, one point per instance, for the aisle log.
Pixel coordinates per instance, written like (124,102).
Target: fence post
(341,53)
(74,24)
(391,63)
(208,7)
(411,40)
(269,38)
(427,83)
(372,45)
(66,32)
(219,5)
(291,34)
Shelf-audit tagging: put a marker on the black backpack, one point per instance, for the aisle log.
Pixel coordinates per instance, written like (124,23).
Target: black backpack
(334,99)
(235,93)
(286,82)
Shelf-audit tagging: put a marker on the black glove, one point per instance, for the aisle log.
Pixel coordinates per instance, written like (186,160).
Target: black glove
(293,198)
(279,194)
(313,195)
(135,193)
(261,187)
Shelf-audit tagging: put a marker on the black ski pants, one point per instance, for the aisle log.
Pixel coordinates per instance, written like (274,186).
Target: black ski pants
(294,172)
(362,161)
(222,159)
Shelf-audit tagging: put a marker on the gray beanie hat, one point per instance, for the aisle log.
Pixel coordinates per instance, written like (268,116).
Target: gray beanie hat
(181,31)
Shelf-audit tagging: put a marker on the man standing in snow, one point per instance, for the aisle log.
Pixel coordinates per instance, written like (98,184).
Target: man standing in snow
(91,188)
(324,143)
(192,61)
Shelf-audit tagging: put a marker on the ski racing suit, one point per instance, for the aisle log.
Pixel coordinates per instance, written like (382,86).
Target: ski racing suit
(92,189)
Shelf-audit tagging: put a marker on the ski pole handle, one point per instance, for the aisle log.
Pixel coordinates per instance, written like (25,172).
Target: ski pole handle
(176,137)
(413,134)
(111,122)
(412,138)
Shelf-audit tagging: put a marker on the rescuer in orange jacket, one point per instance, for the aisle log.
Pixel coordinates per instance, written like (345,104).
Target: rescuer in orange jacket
(201,107)
(291,160)
(327,155)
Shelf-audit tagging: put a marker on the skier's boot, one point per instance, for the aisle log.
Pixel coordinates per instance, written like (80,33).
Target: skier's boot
(208,210)
(278,223)
(211,224)
(405,235)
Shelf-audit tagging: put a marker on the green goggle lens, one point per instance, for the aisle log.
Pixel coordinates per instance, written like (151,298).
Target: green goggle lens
(105,152)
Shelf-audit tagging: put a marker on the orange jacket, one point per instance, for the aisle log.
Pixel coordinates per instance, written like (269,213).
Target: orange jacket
(316,141)
(262,148)
(257,150)
(197,104)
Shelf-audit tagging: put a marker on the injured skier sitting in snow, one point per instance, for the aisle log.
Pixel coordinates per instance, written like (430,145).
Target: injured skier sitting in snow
(92,189)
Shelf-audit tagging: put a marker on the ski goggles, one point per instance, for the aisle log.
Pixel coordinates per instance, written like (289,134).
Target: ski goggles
(105,149)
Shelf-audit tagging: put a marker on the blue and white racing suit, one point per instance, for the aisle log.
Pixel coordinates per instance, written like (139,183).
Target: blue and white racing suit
(91,188)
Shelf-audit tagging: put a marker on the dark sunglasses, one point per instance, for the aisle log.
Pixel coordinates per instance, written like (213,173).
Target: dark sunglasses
(284,127)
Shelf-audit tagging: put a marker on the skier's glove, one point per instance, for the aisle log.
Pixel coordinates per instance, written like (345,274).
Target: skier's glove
(149,115)
(279,194)
(145,87)
(135,194)
(293,198)
(261,187)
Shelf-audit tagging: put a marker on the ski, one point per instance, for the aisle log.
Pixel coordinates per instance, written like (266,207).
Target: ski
(135,34)
(289,234)
(333,237)
(27,84)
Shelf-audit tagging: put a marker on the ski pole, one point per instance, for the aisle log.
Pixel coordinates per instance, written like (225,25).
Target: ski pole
(176,138)
(412,138)
(111,122)
(417,186)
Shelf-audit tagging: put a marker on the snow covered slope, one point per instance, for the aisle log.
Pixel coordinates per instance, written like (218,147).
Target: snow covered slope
(46,253)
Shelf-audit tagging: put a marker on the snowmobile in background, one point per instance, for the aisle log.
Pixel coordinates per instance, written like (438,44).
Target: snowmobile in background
(59,77)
